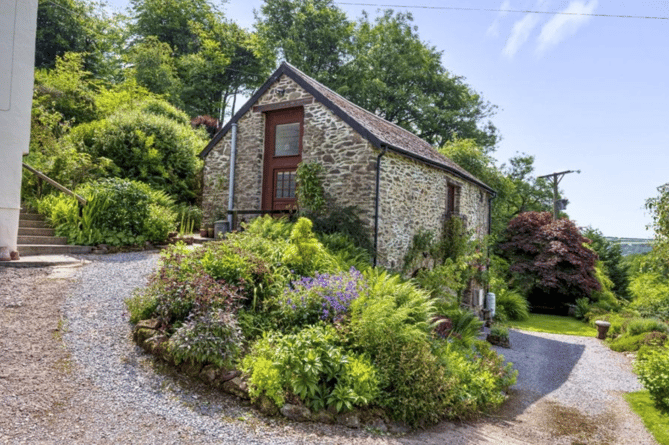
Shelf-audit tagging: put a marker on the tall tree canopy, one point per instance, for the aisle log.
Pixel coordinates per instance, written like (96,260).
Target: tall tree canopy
(79,26)
(381,65)
(187,51)
(313,35)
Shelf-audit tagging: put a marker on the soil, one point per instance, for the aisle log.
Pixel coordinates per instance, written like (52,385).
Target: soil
(42,397)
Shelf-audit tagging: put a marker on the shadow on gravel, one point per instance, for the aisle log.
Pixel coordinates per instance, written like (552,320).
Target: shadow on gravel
(543,366)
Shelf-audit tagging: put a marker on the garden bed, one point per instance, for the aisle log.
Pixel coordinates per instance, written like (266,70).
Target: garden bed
(306,328)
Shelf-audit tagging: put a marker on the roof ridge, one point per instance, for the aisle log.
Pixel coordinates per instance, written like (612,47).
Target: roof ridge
(358,106)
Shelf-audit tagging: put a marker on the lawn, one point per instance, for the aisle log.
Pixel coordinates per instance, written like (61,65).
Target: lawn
(555,324)
(655,420)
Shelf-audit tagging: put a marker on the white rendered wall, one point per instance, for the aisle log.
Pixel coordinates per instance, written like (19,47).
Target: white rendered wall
(18,19)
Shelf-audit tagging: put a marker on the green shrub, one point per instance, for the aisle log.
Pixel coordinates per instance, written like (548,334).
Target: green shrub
(118,212)
(629,343)
(311,365)
(189,218)
(346,221)
(141,305)
(650,292)
(582,308)
(641,325)
(415,387)
(147,147)
(512,305)
(211,336)
(466,325)
(500,331)
(652,365)
(345,252)
(305,254)
(310,191)
(445,281)
(478,377)
(177,298)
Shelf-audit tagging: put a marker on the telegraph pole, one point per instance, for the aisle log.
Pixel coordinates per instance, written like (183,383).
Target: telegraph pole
(554,179)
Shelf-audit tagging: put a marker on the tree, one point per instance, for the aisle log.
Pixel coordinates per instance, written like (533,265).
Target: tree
(170,21)
(392,73)
(188,52)
(382,66)
(549,261)
(611,257)
(517,191)
(313,35)
(659,208)
(78,26)
(154,68)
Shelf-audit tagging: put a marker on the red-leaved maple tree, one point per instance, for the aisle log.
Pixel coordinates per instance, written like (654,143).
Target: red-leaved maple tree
(549,260)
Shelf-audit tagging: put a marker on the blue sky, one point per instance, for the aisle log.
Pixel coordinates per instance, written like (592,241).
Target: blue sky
(578,92)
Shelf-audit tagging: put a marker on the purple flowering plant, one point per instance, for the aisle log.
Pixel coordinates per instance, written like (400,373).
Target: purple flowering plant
(324,297)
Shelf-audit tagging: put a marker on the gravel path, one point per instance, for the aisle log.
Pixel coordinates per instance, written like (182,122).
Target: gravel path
(568,389)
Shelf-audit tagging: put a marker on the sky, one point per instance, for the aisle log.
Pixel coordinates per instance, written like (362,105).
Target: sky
(579,85)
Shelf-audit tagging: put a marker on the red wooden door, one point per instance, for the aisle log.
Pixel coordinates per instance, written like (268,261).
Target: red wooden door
(283,152)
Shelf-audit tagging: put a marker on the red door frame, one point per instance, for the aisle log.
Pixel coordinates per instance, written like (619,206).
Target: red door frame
(274,164)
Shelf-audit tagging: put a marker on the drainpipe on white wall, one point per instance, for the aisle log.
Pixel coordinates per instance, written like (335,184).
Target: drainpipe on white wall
(18,19)
(233,157)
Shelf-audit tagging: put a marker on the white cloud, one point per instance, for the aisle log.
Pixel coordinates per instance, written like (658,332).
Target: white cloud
(561,26)
(493,30)
(519,34)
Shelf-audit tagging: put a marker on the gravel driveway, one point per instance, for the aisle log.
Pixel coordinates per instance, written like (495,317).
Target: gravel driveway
(109,392)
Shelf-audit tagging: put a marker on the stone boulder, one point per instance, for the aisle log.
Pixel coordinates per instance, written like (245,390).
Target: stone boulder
(296,413)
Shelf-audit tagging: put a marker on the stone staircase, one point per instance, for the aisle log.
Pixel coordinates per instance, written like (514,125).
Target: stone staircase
(36,237)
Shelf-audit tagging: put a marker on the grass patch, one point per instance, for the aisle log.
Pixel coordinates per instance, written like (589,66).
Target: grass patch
(655,420)
(554,324)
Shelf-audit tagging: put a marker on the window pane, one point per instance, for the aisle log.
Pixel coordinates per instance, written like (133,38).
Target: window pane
(285,185)
(287,140)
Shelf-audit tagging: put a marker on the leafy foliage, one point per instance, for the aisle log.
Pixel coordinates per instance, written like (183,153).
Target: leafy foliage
(305,254)
(382,66)
(118,212)
(346,339)
(653,368)
(207,337)
(511,305)
(310,191)
(312,366)
(549,262)
(611,258)
(650,291)
(145,147)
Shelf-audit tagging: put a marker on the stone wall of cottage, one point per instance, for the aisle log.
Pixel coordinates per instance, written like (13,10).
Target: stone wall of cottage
(348,159)
(414,197)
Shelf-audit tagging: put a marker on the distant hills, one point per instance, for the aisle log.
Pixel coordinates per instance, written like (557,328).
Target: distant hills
(630,246)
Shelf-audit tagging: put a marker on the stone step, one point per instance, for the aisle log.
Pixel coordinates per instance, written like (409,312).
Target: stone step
(32,224)
(31,216)
(36,231)
(51,249)
(25,239)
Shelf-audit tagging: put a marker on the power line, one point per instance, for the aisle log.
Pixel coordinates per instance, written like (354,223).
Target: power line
(521,11)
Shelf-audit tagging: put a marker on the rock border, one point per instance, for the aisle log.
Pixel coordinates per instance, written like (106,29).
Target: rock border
(148,336)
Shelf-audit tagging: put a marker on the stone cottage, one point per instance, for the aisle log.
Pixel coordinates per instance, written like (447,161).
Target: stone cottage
(399,182)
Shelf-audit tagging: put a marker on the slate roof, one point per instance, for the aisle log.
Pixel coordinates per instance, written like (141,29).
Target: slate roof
(378,131)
